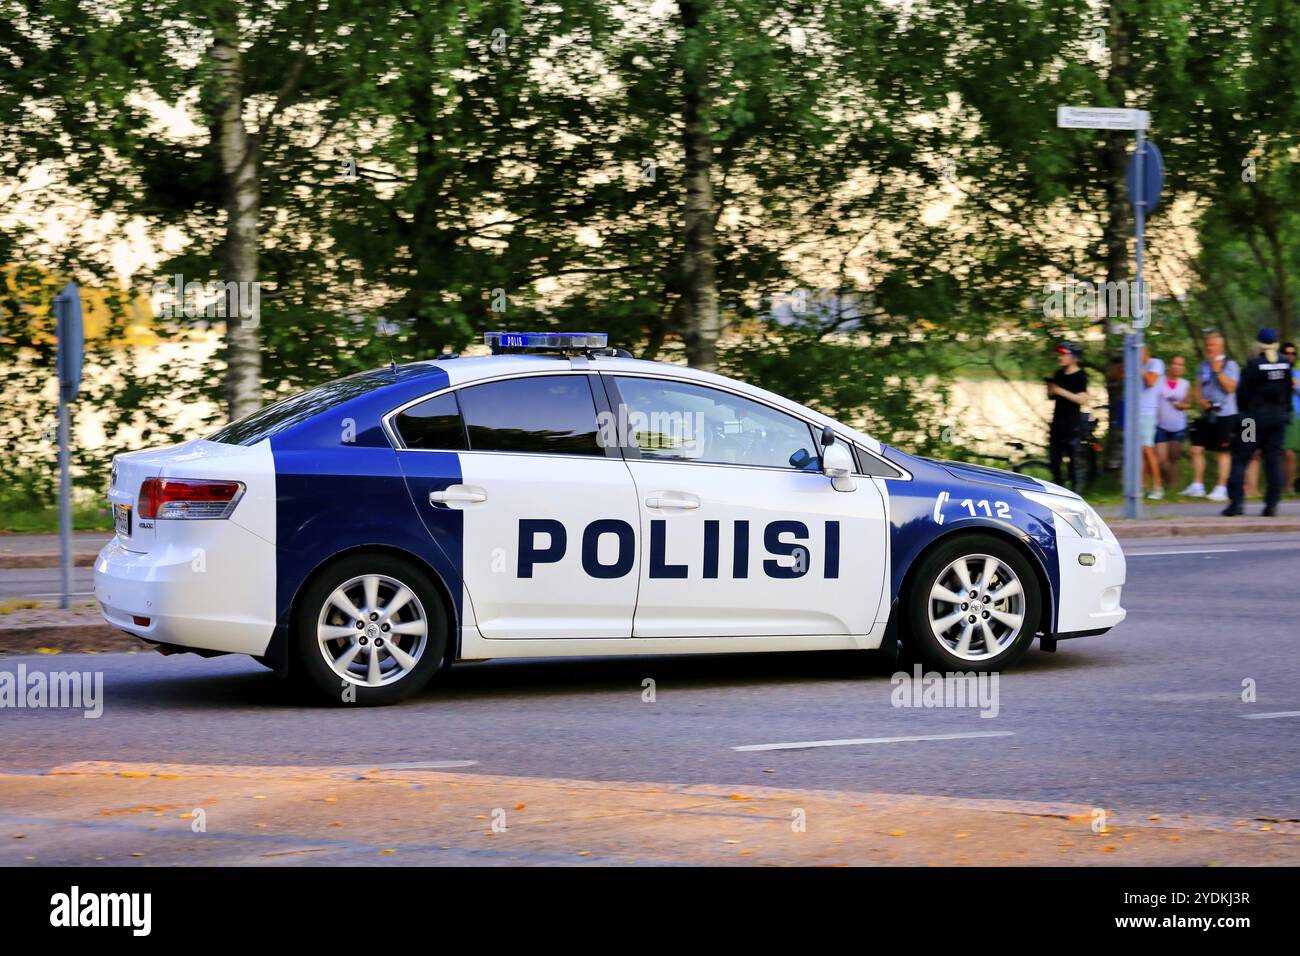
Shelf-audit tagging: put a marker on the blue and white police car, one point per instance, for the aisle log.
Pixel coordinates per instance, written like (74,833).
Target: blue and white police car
(560,498)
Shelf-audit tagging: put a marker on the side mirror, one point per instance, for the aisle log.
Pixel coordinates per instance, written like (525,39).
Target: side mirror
(828,436)
(837,465)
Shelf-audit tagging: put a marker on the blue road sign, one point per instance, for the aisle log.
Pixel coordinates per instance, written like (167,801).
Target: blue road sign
(68,328)
(1153,176)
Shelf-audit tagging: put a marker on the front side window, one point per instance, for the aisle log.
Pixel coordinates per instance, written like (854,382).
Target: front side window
(552,414)
(681,421)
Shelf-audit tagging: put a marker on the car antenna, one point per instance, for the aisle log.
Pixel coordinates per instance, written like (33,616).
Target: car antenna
(392,363)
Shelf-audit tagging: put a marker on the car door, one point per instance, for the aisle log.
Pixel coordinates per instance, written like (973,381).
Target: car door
(548,540)
(741,534)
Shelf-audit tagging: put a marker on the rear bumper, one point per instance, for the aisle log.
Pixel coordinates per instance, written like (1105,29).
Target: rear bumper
(217,595)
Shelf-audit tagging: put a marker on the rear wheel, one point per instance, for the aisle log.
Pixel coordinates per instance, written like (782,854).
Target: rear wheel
(975,605)
(371,629)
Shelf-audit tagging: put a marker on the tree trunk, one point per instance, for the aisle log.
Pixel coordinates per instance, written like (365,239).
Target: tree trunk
(237,150)
(700,320)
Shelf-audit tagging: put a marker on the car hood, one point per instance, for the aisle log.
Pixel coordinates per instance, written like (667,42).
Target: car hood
(988,476)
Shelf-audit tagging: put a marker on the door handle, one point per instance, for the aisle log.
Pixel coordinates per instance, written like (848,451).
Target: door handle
(675,500)
(459,494)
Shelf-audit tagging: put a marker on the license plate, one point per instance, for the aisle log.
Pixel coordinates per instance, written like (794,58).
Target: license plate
(122,520)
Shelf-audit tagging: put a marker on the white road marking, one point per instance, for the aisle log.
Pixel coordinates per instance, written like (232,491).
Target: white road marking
(1152,554)
(60,594)
(414,765)
(1278,713)
(803,744)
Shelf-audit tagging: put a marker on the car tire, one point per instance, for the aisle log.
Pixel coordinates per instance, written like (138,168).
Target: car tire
(989,631)
(399,645)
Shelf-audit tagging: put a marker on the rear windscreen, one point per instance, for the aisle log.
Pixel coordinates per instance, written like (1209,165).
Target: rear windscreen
(273,419)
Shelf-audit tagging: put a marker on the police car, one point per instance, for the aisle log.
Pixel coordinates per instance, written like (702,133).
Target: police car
(560,498)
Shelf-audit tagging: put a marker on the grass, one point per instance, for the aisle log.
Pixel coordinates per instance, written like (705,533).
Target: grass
(85,517)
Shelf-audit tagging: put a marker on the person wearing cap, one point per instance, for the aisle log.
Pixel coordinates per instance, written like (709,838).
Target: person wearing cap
(1068,389)
(1264,399)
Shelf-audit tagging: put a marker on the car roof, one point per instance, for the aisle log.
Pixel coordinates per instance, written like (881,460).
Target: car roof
(464,371)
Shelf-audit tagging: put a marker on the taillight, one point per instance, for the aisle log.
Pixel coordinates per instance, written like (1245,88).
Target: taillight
(188,498)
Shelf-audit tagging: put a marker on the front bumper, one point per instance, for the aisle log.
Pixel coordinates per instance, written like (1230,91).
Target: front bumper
(218,595)
(1090,593)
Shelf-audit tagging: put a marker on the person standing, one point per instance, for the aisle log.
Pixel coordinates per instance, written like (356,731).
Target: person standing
(1264,397)
(1152,369)
(1171,419)
(1068,389)
(1215,394)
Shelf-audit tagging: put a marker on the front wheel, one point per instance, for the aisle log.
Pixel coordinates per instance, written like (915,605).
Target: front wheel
(371,629)
(974,605)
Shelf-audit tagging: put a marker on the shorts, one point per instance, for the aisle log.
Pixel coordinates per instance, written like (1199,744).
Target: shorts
(1216,434)
(1163,435)
(1147,430)
(1292,440)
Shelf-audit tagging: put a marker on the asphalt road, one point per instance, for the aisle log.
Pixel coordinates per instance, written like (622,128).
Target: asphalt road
(1149,717)
(44,583)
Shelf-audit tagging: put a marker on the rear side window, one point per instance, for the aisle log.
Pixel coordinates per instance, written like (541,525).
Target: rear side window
(434,423)
(554,414)
(273,419)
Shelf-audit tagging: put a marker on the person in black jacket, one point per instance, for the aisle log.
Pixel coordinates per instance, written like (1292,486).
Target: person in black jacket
(1068,389)
(1264,401)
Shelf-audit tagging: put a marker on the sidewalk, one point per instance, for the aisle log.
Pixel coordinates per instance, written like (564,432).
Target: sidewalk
(1193,518)
(144,814)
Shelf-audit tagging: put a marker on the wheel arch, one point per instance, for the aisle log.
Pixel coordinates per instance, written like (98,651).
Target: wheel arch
(449,605)
(1047,611)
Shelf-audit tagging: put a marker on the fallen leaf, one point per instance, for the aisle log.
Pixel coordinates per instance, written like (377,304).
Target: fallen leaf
(897,832)
(520,806)
(737,796)
(48,650)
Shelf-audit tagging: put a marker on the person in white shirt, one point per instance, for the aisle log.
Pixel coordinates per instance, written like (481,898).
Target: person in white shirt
(1171,418)
(1152,369)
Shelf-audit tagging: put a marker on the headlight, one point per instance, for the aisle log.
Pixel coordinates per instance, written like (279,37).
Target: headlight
(1074,511)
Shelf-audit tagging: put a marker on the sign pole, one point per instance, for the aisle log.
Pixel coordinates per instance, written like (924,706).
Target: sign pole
(65,504)
(1133,343)
(71,340)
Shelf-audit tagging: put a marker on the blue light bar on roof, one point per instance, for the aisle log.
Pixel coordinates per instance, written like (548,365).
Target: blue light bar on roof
(500,342)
